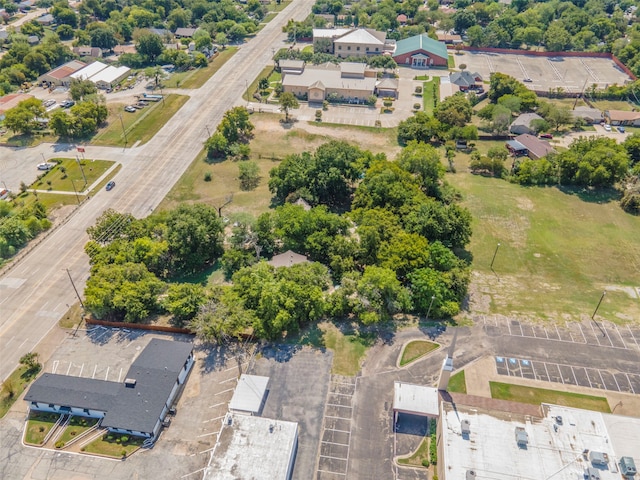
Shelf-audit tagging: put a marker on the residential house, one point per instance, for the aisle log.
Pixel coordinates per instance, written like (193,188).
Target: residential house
(120,49)
(184,32)
(347,81)
(421,51)
(12,100)
(466,80)
(402,19)
(162,32)
(620,117)
(62,75)
(46,20)
(449,38)
(588,114)
(136,406)
(33,40)
(535,147)
(87,51)
(287,259)
(522,124)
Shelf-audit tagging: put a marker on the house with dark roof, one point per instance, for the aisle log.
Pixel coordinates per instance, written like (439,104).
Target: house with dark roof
(466,80)
(421,51)
(522,124)
(535,147)
(588,114)
(137,406)
(46,19)
(184,32)
(87,51)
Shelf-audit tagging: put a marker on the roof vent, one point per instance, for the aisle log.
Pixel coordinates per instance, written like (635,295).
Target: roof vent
(466,427)
(471,475)
(129,382)
(522,437)
(598,458)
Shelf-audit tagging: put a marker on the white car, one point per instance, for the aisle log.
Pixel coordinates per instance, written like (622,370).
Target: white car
(49,102)
(607,127)
(46,166)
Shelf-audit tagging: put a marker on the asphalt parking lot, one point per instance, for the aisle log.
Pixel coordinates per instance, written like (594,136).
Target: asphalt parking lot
(602,379)
(600,333)
(298,386)
(545,73)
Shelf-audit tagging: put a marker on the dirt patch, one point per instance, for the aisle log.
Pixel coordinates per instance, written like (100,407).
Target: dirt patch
(524,203)
(515,228)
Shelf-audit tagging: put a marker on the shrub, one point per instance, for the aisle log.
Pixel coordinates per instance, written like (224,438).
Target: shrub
(123,453)
(325,105)
(73,433)
(387,103)
(425,463)
(59,444)
(124,439)
(418,90)
(207,176)
(416,106)
(41,429)
(318,115)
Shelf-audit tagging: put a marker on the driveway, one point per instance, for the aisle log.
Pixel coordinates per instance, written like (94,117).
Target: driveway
(566,140)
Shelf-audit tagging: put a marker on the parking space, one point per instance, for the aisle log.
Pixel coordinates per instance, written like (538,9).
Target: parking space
(545,73)
(336,429)
(600,333)
(614,381)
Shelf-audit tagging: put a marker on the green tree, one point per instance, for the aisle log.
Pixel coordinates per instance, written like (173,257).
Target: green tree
(103,37)
(249,175)
(80,89)
(263,84)
(454,111)
(23,118)
(150,46)
(222,318)
(287,102)
(381,295)
(556,38)
(221,39)
(183,301)
(423,161)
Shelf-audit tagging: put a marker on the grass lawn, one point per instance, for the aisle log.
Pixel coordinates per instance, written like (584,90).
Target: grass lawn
(17,382)
(536,396)
(72,317)
(140,126)
(348,349)
(38,426)
(603,105)
(73,175)
(420,455)
(558,249)
(416,349)
(253,86)
(278,7)
(451,63)
(199,76)
(430,95)
(308,48)
(112,445)
(457,383)
(77,426)
(12,139)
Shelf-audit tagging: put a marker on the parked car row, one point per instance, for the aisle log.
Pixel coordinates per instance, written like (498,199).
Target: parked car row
(136,106)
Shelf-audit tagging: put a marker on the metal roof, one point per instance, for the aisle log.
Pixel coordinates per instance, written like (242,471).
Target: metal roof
(415,399)
(421,42)
(89,71)
(249,394)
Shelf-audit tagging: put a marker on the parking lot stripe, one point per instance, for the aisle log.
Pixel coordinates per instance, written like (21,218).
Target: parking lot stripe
(333,458)
(106,376)
(217,404)
(120,375)
(229,380)
(616,380)
(604,385)
(334,443)
(214,419)
(339,418)
(207,434)
(574,376)
(620,335)
(69,369)
(82,368)
(94,371)
(336,405)
(633,336)
(594,333)
(630,384)
(332,473)
(224,391)
(54,367)
(582,332)
(336,430)
(343,394)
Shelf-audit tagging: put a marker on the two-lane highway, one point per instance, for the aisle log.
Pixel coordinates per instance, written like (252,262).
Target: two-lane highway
(36,292)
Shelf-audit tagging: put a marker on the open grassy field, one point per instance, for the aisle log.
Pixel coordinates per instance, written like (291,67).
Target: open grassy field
(536,396)
(140,126)
(613,105)
(271,143)
(416,349)
(559,249)
(198,77)
(69,174)
(348,349)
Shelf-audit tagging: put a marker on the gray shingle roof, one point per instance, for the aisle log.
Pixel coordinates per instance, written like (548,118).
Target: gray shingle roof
(138,408)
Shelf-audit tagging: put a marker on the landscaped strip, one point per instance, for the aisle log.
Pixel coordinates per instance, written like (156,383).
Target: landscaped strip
(197,78)
(536,396)
(416,349)
(457,383)
(76,427)
(420,458)
(114,445)
(13,387)
(38,426)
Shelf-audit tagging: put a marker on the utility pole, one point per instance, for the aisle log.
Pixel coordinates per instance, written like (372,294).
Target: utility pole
(598,306)
(73,182)
(82,170)
(74,288)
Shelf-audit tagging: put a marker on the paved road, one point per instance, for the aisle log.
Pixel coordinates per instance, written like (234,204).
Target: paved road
(35,294)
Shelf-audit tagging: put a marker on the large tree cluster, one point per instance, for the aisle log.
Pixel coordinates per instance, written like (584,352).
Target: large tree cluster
(18,225)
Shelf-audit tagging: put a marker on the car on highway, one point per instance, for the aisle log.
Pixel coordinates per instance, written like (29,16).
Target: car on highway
(607,127)
(110,185)
(129,109)
(46,166)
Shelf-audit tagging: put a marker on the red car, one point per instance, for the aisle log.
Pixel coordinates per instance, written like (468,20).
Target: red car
(546,135)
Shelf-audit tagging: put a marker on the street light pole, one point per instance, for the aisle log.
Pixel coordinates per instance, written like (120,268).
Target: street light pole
(494,256)
(81,170)
(598,306)
(124,132)
(433,297)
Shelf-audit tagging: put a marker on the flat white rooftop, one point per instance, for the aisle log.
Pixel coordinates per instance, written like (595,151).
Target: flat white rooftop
(249,394)
(555,449)
(415,399)
(253,448)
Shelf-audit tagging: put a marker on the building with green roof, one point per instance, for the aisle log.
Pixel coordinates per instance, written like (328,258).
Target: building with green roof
(421,51)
